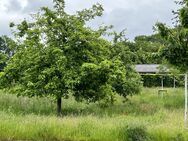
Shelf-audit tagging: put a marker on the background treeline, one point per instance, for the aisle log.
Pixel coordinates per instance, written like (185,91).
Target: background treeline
(143,50)
(168,81)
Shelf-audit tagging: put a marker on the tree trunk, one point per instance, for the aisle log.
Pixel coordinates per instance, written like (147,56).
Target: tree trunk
(59,109)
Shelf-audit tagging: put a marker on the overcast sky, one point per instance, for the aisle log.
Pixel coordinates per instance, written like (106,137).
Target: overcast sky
(137,16)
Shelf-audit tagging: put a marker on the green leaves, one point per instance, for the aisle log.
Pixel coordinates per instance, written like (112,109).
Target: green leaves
(106,79)
(23,27)
(88,14)
(58,54)
(176,46)
(162,29)
(59,5)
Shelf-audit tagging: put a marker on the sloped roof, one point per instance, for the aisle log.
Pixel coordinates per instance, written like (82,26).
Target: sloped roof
(147,68)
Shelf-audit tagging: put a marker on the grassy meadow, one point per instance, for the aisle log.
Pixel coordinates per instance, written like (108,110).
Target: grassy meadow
(144,117)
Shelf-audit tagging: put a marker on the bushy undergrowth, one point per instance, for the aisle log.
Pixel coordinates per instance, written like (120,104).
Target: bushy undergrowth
(134,133)
(144,117)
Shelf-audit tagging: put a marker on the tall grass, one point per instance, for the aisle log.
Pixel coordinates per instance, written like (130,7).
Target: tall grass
(143,117)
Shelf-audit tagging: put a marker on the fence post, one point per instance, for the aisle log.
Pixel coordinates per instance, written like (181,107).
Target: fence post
(186,100)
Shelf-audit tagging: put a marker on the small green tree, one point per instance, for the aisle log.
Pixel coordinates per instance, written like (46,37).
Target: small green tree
(58,56)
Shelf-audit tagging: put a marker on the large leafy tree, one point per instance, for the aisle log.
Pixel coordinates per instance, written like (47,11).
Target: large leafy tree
(176,47)
(58,56)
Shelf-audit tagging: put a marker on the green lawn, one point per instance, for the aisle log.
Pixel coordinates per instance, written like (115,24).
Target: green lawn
(143,117)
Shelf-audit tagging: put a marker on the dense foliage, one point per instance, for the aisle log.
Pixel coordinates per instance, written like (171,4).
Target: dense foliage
(176,47)
(58,55)
(145,49)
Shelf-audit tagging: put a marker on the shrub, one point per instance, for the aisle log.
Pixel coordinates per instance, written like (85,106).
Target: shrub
(178,137)
(135,133)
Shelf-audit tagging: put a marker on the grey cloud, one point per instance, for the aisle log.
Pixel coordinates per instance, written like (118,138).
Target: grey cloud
(34,5)
(137,17)
(138,20)
(14,6)
(5,19)
(4,29)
